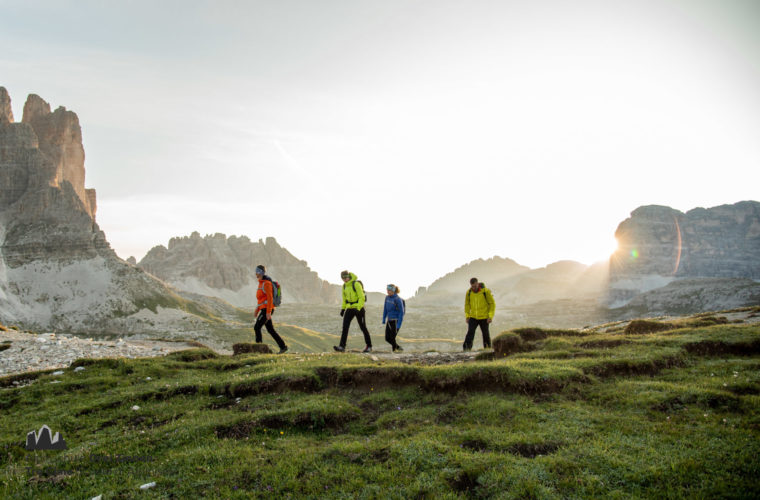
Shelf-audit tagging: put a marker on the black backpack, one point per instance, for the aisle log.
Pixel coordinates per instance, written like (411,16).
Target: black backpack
(481,286)
(353,284)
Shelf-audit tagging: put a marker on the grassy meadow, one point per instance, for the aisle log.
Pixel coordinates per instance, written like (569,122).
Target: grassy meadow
(668,411)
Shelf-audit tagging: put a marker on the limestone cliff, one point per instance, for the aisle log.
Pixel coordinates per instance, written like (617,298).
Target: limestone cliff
(223,267)
(57,271)
(48,212)
(658,245)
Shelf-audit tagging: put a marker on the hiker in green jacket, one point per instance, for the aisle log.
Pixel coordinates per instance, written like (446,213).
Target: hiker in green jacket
(353,306)
(479,308)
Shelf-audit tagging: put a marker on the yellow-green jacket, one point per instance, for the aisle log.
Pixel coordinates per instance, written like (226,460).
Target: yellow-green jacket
(480,304)
(353,299)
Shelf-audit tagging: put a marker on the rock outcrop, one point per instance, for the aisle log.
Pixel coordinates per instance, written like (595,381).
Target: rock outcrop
(658,245)
(57,270)
(48,212)
(223,267)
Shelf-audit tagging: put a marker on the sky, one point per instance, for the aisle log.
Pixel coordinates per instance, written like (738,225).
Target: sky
(397,139)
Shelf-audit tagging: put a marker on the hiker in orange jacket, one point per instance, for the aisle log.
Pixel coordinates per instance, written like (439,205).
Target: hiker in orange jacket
(265,308)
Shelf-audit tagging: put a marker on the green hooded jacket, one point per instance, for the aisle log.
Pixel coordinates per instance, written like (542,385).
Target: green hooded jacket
(480,304)
(353,299)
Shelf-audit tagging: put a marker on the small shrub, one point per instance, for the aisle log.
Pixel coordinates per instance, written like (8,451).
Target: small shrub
(638,326)
(507,343)
(247,347)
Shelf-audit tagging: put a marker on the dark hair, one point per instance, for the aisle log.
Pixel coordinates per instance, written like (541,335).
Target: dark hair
(473,281)
(263,269)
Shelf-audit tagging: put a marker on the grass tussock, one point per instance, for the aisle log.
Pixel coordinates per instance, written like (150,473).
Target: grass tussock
(192,355)
(639,326)
(249,347)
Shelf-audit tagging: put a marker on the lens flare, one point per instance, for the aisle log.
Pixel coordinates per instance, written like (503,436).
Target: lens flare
(634,254)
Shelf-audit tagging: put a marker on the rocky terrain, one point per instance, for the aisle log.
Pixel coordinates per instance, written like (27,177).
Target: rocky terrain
(223,267)
(22,351)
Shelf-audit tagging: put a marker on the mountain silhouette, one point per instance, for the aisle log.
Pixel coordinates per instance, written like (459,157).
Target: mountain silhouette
(43,440)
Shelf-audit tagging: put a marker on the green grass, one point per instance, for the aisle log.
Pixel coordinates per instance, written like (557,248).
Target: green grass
(664,414)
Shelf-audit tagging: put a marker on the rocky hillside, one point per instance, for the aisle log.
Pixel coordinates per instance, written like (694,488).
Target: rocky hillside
(658,245)
(57,271)
(223,267)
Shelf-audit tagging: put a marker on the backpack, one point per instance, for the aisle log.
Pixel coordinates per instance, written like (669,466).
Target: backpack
(276,291)
(481,286)
(353,283)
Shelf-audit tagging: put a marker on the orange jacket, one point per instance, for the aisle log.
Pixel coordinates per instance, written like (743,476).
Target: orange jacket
(265,297)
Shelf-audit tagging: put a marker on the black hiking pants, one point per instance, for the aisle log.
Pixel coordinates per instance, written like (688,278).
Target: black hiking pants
(391,332)
(360,318)
(263,321)
(470,337)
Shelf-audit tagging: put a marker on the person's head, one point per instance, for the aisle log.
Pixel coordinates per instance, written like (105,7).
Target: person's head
(391,289)
(474,284)
(260,271)
(345,276)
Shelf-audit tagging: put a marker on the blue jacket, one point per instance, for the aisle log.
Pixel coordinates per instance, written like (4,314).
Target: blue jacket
(394,309)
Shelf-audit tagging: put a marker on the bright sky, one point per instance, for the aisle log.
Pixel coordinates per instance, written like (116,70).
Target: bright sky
(398,139)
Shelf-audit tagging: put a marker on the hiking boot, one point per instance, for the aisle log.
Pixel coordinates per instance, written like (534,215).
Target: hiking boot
(466,349)
(397,349)
(339,348)
(368,349)
(283,350)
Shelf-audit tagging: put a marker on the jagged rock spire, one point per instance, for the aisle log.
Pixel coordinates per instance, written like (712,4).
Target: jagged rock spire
(6,113)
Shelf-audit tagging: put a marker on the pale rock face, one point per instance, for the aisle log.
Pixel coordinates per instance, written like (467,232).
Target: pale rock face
(659,245)
(57,271)
(223,267)
(6,112)
(60,140)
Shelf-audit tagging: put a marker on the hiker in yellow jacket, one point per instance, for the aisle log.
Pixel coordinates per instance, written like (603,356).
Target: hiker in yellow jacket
(479,308)
(353,307)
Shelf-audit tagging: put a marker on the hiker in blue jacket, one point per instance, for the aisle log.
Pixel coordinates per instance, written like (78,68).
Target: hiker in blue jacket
(393,310)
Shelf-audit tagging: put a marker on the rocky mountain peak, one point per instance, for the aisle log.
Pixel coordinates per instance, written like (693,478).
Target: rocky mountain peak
(60,140)
(223,267)
(35,107)
(6,113)
(48,211)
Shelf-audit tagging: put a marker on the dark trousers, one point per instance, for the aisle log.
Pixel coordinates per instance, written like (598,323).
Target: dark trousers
(391,332)
(263,321)
(471,326)
(360,318)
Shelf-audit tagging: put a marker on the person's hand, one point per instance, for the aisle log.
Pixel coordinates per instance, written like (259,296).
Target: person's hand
(342,312)
(467,320)
(269,316)
(489,320)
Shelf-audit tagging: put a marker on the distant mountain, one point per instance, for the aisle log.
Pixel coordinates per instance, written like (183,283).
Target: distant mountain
(658,245)
(223,267)
(57,271)
(513,284)
(451,287)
